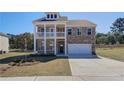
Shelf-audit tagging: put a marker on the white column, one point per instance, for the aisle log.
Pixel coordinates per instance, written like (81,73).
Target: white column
(55,40)
(35,30)
(44,38)
(65,41)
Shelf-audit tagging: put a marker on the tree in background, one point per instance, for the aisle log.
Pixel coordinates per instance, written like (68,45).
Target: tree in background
(117,29)
(115,36)
(18,41)
(111,38)
(101,38)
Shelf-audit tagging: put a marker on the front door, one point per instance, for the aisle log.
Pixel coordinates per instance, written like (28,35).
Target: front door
(61,48)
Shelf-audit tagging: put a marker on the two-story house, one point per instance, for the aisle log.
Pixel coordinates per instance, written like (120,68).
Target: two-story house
(55,34)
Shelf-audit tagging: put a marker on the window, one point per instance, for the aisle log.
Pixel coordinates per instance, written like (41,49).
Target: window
(51,29)
(78,31)
(39,29)
(69,31)
(48,16)
(51,15)
(89,31)
(55,16)
(42,29)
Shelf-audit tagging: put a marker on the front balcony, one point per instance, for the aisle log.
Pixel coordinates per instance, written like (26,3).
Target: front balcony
(40,35)
(60,34)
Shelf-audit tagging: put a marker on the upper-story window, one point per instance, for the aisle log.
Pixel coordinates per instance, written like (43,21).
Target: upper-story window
(39,29)
(78,32)
(69,31)
(48,16)
(51,16)
(42,29)
(89,32)
(55,15)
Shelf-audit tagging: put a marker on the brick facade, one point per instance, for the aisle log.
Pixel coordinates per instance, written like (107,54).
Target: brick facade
(84,38)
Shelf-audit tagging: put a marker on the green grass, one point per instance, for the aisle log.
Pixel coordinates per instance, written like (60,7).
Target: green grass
(13,54)
(46,66)
(114,53)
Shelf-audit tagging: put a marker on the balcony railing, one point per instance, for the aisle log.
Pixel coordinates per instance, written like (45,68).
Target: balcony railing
(40,34)
(50,34)
(60,34)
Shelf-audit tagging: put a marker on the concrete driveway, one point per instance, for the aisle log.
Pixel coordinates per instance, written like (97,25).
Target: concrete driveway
(96,68)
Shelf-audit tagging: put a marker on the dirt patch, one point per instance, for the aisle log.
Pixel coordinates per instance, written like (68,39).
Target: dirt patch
(3,69)
(6,68)
(28,63)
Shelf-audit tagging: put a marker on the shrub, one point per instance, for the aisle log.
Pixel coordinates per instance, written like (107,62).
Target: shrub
(29,60)
(17,60)
(12,63)
(38,55)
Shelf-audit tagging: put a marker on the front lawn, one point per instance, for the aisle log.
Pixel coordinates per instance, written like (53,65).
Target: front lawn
(13,54)
(114,53)
(45,66)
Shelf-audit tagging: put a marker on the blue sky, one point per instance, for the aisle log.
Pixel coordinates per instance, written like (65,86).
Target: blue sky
(19,22)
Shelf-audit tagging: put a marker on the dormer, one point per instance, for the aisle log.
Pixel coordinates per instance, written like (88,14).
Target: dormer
(52,15)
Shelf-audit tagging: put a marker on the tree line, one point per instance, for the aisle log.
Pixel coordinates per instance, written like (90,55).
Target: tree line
(21,41)
(114,36)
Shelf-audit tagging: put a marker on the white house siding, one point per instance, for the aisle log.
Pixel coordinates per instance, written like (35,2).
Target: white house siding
(4,44)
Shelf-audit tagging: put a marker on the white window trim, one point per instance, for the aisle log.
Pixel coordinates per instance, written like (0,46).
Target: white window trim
(77,31)
(50,18)
(91,31)
(71,30)
(47,16)
(56,16)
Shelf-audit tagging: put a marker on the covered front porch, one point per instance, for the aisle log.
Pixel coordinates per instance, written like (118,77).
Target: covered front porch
(58,48)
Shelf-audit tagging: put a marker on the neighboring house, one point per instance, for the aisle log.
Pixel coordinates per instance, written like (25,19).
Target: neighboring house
(55,34)
(4,43)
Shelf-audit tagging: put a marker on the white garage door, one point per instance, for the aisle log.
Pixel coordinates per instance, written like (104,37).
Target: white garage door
(79,49)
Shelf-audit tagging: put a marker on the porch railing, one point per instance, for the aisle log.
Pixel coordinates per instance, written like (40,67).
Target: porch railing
(40,34)
(60,34)
(50,34)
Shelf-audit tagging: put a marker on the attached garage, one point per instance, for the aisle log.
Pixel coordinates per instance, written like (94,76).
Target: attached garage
(79,49)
